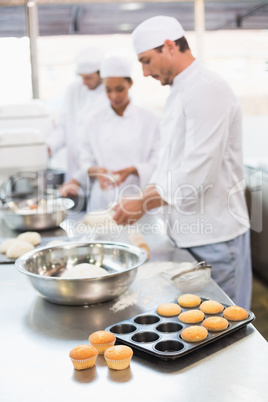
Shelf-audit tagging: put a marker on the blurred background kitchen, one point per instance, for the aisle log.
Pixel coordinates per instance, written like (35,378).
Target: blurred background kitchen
(38,44)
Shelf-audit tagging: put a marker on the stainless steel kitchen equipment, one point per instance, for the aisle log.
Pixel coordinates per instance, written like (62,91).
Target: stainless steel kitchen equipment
(198,267)
(21,150)
(44,267)
(256,173)
(53,178)
(32,184)
(188,277)
(36,214)
(23,130)
(37,337)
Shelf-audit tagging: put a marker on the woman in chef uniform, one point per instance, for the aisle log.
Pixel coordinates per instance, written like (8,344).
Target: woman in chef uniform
(120,143)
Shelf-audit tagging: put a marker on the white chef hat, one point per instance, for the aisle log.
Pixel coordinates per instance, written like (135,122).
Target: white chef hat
(153,32)
(116,66)
(88,60)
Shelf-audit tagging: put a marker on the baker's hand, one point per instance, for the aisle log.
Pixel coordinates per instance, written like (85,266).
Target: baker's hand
(121,175)
(69,189)
(102,175)
(103,179)
(128,210)
(49,151)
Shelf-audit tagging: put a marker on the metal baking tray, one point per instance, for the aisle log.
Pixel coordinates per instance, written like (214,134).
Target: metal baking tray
(160,336)
(5,260)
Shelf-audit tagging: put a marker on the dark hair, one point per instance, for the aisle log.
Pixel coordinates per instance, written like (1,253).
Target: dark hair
(94,72)
(129,80)
(181,43)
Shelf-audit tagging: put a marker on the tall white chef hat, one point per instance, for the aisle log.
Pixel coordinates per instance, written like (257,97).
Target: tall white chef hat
(116,66)
(153,32)
(88,60)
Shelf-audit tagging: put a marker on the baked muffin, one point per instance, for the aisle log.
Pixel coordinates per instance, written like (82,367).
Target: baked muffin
(83,356)
(191,316)
(168,309)
(235,313)
(215,324)
(194,333)
(189,300)
(102,340)
(118,357)
(211,307)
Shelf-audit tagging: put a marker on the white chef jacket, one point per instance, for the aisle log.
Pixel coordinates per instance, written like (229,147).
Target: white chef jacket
(200,173)
(116,142)
(79,102)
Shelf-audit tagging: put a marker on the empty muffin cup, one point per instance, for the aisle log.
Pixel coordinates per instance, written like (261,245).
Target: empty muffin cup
(145,337)
(169,346)
(123,328)
(147,319)
(168,327)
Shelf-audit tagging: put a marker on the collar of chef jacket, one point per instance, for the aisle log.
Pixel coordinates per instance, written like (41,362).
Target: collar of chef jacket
(94,92)
(128,111)
(181,80)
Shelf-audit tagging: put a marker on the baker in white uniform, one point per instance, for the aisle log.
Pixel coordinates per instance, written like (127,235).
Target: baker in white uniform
(120,145)
(199,179)
(84,96)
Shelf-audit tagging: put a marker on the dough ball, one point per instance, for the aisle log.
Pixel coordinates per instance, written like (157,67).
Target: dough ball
(31,237)
(56,243)
(84,270)
(18,248)
(99,218)
(6,243)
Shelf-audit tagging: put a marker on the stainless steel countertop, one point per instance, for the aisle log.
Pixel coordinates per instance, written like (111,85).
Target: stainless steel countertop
(36,337)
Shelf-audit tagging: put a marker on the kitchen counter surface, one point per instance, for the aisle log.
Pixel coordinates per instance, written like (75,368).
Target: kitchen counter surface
(36,337)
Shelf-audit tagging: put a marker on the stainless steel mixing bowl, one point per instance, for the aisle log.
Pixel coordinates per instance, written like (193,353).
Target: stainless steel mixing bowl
(45,265)
(18,218)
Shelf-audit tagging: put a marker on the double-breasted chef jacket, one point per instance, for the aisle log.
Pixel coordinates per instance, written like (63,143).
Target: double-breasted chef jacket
(200,173)
(116,142)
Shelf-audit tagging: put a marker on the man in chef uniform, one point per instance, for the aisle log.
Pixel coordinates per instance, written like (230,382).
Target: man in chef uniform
(199,178)
(84,96)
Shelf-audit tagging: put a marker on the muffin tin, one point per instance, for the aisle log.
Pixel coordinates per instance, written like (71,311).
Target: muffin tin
(160,336)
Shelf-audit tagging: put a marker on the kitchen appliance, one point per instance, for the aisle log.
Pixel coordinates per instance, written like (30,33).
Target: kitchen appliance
(21,150)
(27,185)
(32,114)
(44,266)
(23,130)
(256,174)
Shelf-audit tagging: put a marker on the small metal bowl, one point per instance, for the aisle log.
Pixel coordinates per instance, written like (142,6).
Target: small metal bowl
(45,265)
(18,218)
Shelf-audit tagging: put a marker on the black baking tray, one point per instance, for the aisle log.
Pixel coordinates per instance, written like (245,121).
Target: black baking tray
(5,260)
(160,336)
